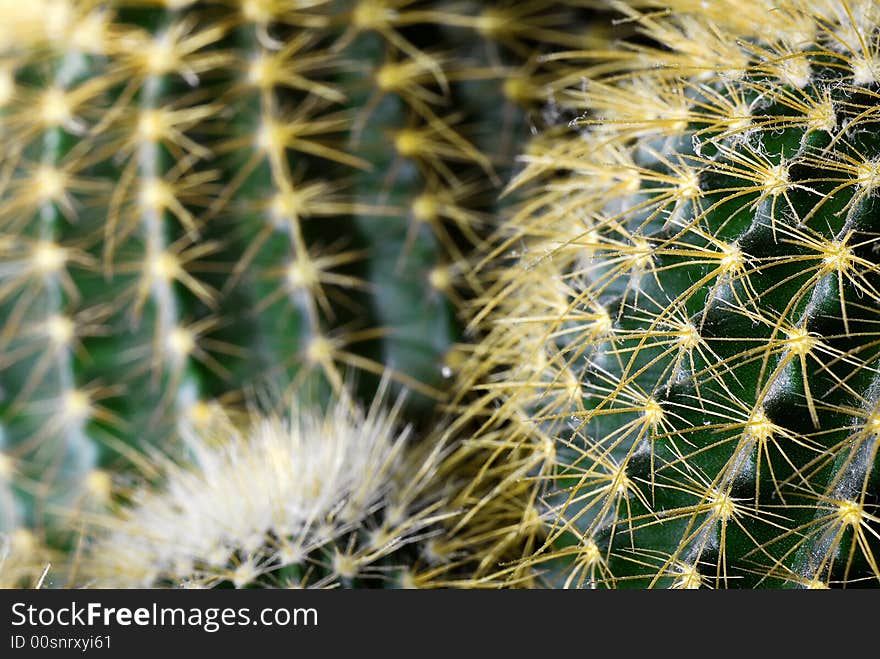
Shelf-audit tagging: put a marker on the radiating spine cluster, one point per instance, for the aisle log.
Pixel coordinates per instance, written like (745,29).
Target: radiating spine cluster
(292,500)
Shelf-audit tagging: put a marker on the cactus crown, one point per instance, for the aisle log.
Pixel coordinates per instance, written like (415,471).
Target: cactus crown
(293,499)
(693,285)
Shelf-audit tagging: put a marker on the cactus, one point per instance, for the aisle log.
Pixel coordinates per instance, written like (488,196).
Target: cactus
(206,201)
(299,499)
(676,379)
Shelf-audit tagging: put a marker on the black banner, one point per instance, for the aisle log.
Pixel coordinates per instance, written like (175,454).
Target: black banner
(296,622)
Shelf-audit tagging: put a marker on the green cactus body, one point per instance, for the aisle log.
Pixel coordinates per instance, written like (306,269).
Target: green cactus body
(42,404)
(439,126)
(681,324)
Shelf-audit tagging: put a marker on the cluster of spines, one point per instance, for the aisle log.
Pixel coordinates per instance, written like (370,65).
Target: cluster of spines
(295,498)
(693,283)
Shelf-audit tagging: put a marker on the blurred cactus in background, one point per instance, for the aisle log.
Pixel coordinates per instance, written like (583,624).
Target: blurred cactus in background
(203,202)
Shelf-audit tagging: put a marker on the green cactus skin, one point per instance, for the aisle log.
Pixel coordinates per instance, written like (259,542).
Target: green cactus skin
(680,325)
(206,201)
